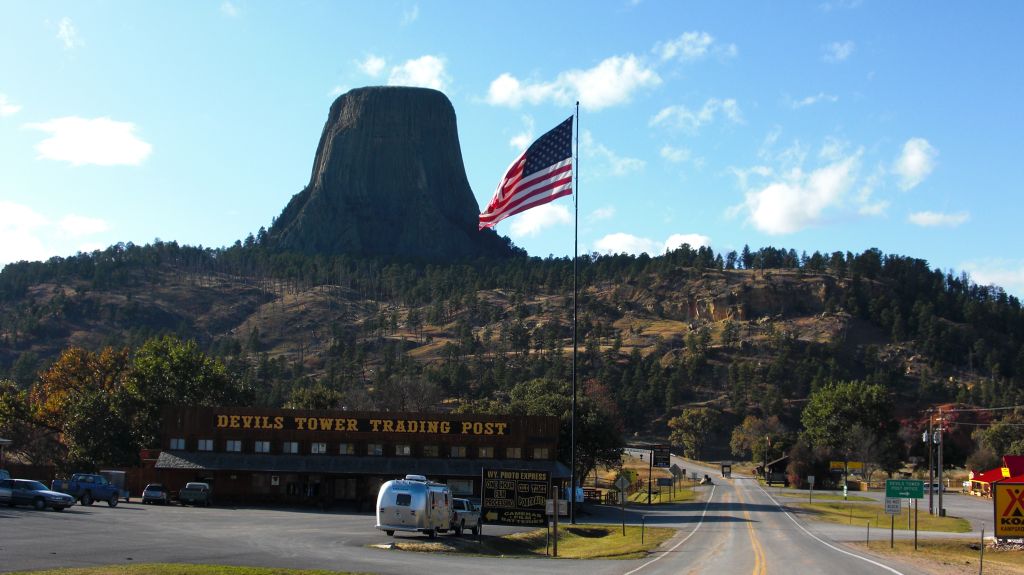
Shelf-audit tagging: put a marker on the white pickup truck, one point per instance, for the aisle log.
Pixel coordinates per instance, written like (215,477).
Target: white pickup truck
(467,516)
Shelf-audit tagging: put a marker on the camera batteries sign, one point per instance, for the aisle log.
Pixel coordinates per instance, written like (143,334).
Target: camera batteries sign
(515,496)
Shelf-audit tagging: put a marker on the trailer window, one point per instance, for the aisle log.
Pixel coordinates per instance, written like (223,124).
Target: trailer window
(403,499)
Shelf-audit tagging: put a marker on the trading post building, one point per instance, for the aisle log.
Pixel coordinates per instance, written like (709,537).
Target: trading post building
(256,455)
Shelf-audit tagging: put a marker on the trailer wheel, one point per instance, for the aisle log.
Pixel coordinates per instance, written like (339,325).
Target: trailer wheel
(87,499)
(390,532)
(432,533)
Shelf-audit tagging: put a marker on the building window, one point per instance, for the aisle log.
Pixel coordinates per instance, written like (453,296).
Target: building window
(205,445)
(375,449)
(458,451)
(461,486)
(430,451)
(540,452)
(177,443)
(403,450)
(261,447)
(346,449)
(290,447)
(485,452)
(513,452)
(317,448)
(233,445)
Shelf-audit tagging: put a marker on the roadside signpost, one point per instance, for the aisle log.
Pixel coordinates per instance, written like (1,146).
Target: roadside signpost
(810,492)
(677,473)
(892,509)
(622,483)
(906,489)
(660,456)
(515,496)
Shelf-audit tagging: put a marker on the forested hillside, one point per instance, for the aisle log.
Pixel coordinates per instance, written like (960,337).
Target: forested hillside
(745,337)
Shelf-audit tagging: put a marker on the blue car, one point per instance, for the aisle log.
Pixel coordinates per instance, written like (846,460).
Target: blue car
(33,493)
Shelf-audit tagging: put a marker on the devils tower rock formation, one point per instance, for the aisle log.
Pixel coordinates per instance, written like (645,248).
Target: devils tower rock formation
(388,180)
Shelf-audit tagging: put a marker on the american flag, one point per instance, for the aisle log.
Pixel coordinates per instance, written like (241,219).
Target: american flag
(540,174)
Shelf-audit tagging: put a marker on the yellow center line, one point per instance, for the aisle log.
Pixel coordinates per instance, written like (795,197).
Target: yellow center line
(760,565)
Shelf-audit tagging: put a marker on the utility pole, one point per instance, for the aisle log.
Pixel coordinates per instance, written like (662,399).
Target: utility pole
(767,445)
(931,468)
(942,426)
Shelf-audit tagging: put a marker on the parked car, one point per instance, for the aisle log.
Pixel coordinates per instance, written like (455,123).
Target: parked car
(156,493)
(34,493)
(195,493)
(4,474)
(935,487)
(89,487)
(467,516)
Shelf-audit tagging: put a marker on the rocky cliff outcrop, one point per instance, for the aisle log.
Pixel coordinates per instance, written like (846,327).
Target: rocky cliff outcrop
(388,180)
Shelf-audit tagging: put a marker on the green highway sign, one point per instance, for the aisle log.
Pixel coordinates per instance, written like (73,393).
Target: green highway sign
(904,488)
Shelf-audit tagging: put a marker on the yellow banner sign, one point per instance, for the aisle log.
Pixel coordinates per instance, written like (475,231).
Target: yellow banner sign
(1008,499)
(851,465)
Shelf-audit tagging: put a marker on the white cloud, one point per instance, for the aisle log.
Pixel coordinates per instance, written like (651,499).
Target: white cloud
(67,33)
(839,5)
(229,9)
(7,108)
(28,235)
(411,15)
(99,141)
(838,51)
(338,90)
(1008,274)
(534,220)
(523,139)
(811,100)
(796,200)
(695,240)
(605,213)
(609,162)
(612,82)
(78,226)
(915,163)
(693,46)
(689,120)
(675,155)
(425,72)
(933,219)
(689,46)
(372,65)
(623,243)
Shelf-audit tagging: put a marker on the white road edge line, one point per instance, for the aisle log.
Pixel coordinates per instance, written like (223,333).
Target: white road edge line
(676,546)
(825,543)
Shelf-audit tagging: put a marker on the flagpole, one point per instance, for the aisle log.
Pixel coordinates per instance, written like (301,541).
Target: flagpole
(575,290)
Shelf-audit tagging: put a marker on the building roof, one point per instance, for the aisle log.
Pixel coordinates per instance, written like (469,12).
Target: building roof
(989,476)
(1015,463)
(356,465)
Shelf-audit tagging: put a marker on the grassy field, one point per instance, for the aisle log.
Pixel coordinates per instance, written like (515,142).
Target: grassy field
(818,496)
(664,495)
(574,542)
(861,514)
(179,569)
(953,556)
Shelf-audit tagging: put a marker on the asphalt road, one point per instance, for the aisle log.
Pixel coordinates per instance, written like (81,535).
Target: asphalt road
(736,527)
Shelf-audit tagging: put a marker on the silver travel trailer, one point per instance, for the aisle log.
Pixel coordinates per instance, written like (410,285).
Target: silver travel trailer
(414,504)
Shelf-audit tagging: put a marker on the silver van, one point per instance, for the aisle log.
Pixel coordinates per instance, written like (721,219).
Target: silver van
(414,504)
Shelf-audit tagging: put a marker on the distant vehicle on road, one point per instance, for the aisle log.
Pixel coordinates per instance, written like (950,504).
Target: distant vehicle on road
(156,493)
(195,493)
(28,492)
(467,516)
(88,487)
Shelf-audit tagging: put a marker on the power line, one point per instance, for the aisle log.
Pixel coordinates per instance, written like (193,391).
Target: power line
(979,408)
(952,423)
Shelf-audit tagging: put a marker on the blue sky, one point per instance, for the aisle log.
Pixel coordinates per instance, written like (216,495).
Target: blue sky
(825,125)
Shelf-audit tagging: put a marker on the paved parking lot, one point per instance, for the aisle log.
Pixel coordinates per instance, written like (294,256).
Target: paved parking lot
(297,538)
